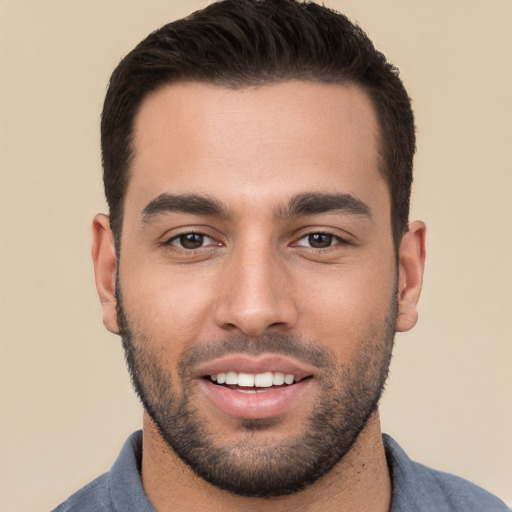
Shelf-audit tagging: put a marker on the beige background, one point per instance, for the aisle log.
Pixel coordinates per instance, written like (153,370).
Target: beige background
(66,401)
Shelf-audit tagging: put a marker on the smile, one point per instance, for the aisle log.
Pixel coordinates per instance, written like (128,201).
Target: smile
(251,380)
(245,387)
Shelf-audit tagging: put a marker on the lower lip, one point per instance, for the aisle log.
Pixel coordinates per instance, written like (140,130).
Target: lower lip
(255,405)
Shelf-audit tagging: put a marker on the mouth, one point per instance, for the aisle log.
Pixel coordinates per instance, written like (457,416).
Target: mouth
(243,382)
(262,387)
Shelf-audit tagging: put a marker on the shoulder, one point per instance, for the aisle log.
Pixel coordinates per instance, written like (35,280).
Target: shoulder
(423,489)
(466,495)
(93,497)
(118,490)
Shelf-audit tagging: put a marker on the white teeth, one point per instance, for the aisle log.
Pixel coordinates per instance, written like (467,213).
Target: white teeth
(289,379)
(249,391)
(278,379)
(259,380)
(263,380)
(246,380)
(231,378)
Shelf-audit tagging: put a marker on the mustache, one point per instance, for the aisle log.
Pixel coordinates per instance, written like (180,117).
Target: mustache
(269,343)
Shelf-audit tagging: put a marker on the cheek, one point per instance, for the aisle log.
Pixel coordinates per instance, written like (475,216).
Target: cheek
(348,304)
(166,307)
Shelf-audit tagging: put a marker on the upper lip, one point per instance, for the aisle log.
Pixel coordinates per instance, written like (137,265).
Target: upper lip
(255,364)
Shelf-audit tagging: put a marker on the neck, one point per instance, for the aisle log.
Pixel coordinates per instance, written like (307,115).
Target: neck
(360,482)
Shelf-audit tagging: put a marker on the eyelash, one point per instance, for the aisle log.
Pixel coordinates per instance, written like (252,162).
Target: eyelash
(169,242)
(336,240)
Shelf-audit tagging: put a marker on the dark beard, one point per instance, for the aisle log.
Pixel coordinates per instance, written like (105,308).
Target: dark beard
(348,394)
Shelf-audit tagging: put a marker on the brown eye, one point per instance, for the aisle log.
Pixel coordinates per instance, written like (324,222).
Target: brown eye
(191,241)
(317,240)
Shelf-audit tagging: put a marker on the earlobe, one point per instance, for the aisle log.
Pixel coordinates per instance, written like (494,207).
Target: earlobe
(411,267)
(105,267)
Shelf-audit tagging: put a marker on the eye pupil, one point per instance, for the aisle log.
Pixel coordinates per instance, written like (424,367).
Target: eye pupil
(191,240)
(320,240)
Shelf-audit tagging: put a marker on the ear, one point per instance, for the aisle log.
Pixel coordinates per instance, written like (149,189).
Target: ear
(105,265)
(410,276)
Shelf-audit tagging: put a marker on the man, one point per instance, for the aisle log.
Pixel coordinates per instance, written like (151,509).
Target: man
(257,261)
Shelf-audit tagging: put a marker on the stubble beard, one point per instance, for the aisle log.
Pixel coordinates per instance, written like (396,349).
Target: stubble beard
(348,394)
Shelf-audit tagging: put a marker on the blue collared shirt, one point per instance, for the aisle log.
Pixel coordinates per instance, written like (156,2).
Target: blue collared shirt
(416,488)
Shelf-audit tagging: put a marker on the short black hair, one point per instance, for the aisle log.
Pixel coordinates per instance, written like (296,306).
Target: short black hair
(239,43)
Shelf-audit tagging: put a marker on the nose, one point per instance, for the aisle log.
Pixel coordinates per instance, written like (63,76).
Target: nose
(256,294)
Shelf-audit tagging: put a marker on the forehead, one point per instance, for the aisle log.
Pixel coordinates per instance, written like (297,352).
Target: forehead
(256,144)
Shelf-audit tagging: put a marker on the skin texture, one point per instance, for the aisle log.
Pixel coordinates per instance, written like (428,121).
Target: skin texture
(255,274)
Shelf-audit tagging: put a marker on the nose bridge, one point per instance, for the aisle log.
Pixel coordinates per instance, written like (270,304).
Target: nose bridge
(255,293)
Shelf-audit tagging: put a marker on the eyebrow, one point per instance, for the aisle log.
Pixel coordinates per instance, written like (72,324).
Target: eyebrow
(308,203)
(311,203)
(183,203)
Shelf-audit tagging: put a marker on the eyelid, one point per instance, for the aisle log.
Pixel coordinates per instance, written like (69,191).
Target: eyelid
(305,238)
(177,238)
(167,240)
(335,242)
(342,239)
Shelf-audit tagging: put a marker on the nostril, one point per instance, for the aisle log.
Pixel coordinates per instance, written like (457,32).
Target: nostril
(253,319)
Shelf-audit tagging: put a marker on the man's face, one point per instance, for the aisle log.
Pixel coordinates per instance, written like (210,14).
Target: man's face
(256,247)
